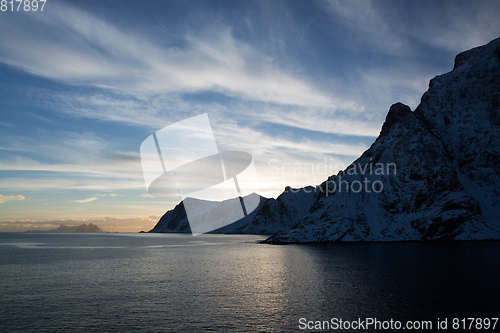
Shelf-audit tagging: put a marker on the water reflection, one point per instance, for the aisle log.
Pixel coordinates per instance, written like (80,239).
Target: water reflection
(230,283)
(408,281)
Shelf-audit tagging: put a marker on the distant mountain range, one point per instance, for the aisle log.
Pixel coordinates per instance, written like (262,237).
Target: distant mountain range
(432,174)
(73,228)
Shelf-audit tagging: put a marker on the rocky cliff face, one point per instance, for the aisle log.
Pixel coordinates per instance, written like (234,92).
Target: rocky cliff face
(271,217)
(432,174)
(176,220)
(173,221)
(280,214)
(446,159)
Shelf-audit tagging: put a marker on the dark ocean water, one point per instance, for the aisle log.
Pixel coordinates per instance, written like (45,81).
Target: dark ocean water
(223,283)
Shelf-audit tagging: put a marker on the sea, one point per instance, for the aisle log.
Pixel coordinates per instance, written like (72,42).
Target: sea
(232,283)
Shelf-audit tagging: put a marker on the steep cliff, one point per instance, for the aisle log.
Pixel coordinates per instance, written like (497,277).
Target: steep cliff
(436,170)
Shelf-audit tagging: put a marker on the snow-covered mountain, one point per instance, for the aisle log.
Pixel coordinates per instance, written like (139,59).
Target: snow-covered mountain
(176,220)
(432,174)
(446,154)
(270,217)
(278,215)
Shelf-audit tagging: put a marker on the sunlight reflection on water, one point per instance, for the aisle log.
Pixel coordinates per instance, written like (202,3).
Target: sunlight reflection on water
(230,283)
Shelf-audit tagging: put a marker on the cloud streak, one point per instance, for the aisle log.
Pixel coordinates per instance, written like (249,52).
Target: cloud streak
(86,200)
(6,198)
(395,28)
(367,24)
(88,50)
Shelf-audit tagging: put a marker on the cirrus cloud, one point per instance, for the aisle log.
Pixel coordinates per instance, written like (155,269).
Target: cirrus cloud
(86,200)
(5,198)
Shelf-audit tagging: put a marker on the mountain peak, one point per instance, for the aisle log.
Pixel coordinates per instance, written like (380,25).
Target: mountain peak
(397,112)
(482,54)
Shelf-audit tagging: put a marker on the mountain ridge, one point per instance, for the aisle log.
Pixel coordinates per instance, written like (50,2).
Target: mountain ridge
(82,228)
(444,186)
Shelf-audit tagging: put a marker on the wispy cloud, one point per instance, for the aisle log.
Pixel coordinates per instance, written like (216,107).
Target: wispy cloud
(60,182)
(69,152)
(141,75)
(6,198)
(86,200)
(395,28)
(88,50)
(88,162)
(368,25)
(261,144)
(457,26)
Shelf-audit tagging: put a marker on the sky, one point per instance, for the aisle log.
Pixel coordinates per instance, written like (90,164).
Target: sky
(302,86)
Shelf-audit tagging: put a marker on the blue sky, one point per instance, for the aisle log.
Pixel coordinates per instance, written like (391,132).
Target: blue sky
(83,83)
